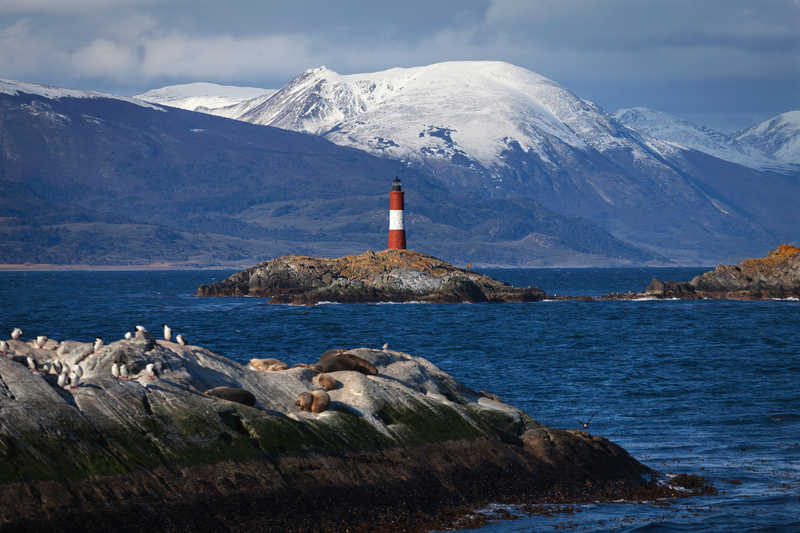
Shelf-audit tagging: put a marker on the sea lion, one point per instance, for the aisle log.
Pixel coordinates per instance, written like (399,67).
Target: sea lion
(344,361)
(321,401)
(304,401)
(268,364)
(233,394)
(326,382)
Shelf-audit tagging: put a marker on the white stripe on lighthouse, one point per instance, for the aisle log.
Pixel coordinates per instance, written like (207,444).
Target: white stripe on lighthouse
(395,219)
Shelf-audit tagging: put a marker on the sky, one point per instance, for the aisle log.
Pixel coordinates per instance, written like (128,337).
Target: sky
(726,64)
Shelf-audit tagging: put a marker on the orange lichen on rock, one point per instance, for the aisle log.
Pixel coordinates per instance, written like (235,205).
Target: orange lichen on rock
(774,259)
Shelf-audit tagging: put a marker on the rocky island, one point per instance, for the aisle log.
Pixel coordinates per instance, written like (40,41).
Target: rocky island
(151,434)
(385,276)
(775,276)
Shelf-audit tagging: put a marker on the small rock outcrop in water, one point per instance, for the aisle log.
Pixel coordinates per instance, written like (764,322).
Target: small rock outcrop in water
(269,451)
(775,276)
(386,276)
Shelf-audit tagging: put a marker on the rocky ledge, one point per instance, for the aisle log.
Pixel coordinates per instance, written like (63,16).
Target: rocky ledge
(775,276)
(386,276)
(183,439)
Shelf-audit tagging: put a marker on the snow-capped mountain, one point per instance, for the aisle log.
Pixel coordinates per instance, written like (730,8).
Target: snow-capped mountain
(202,96)
(13,87)
(671,128)
(464,111)
(778,136)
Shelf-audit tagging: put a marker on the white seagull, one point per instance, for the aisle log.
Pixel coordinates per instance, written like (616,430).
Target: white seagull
(41,340)
(74,380)
(123,371)
(98,343)
(181,339)
(62,379)
(115,370)
(16,333)
(31,364)
(167,332)
(3,346)
(141,328)
(128,335)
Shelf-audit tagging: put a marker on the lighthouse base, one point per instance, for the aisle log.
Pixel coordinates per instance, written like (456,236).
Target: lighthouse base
(397,239)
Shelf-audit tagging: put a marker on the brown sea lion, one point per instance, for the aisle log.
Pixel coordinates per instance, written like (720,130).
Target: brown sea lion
(304,401)
(344,361)
(268,364)
(321,401)
(326,382)
(233,395)
(327,354)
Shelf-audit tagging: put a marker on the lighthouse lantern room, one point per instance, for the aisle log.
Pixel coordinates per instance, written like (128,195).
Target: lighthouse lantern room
(397,234)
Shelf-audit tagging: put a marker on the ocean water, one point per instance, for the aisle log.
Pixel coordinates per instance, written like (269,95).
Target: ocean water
(706,387)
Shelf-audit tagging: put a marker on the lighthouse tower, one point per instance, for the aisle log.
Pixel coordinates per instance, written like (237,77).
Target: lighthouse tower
(397,235)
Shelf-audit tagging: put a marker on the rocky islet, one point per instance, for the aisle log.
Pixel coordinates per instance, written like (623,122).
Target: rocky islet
(195,440)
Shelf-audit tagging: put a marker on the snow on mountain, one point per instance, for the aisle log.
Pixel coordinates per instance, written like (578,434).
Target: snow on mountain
(13,87)
(671,128)
(469,111)
(202,96)
(778,136)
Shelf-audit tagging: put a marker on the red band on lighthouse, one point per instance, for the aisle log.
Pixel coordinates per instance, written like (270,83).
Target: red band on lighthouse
(397,233)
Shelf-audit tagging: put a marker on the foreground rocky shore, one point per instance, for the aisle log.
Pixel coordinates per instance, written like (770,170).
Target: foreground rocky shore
(386,276)
(777,275)
(183,439)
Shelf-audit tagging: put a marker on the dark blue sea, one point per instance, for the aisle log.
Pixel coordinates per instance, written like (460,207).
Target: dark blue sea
(706,387)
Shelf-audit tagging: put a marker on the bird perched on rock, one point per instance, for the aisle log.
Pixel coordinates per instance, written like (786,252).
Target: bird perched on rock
(57,366)
(150,372)
(98,344)
(128,335)
(74,380)
(181,339)
(141,329)
(167,332)
(32,364)
(123,371)
(385,347)
(115,370)
(41,340)
(62,378)
(16,333)
(3,346)
(46,366)
(78,370)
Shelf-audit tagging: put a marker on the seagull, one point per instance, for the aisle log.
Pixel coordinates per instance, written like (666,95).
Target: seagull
(62,378)
(41,340)
(31,364)
(74,380)
(128,335)
(150,371)
(115,370)
(123,371)
(586,424)
(16,333)
(181,339)
(141,329)
(46,367)
(3,346)
(78,370)
(98,343)
(167,332)
(385,347)
(57,366)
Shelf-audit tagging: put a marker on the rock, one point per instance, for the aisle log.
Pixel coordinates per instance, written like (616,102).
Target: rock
(390,275)
(145,450)
(320,402)
(232,394)
(775,276)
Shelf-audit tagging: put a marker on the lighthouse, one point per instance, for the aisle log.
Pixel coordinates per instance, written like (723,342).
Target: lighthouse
(397,234)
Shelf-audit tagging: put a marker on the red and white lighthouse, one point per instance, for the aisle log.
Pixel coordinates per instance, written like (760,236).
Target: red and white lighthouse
(397,234)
